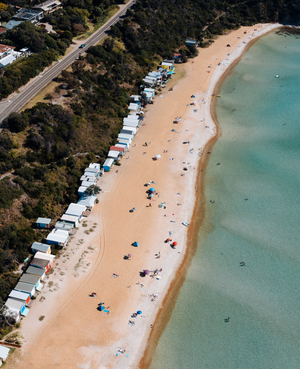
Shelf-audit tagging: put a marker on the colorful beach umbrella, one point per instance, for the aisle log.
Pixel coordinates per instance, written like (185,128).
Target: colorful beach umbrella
(146,272)
(151,195)
(152,189)
(136,244)
(139,312)
(175,243)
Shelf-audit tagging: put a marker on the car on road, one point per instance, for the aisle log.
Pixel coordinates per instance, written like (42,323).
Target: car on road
(82,46)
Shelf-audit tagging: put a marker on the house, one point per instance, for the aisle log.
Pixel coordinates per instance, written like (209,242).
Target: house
(42,264)
(7,60)
(58,237)
(114,154)
(6,50)
(43,247)
(73,219)
(37,271)
(43,223)
(65,226)
(18,295)
(190,42)
(18,305)
(107,164)
(32,279)
(88,201)
(4,351)
(77,210)
(49,6)
(2,30)
(25,287)
(31,15)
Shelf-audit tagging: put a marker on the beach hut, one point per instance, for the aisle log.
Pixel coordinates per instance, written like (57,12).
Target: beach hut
(77,210)
(123,142)
(65,226)
(4,351)
(81,190)
(41,264)
(135,98)
(107,164)
(91,179)
(128,131)
(151,90)
(18,295)
(90,171)
(50,258)
(73,219)
(125,137)
(134,106)
(25,287)
(131,122)
(95,166)
(43,223)
(18,305)
(121,147)
(191,42)
(58,237)
(37,271)
(121,150)
(113,154)
(32,279)
(149,82)
(43,247)
(88,201)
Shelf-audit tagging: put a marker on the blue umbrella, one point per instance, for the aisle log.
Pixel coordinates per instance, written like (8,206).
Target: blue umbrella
(136,244)
(139,312)
(151,195)
(152,189)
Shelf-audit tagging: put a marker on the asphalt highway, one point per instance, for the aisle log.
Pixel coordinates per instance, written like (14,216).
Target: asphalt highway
(44,78)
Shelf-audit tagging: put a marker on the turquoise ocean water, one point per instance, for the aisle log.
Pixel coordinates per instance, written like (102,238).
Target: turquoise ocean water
(259,151)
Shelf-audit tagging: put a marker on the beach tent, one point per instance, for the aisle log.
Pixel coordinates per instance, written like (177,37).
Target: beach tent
(114,154)
(107,164)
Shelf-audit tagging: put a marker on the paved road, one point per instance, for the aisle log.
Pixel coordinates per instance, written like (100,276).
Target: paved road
(44,78)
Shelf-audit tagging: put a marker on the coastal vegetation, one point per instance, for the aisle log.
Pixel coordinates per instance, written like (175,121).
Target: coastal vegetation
(40,148)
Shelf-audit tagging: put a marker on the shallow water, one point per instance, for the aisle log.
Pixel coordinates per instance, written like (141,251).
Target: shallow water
(259,153)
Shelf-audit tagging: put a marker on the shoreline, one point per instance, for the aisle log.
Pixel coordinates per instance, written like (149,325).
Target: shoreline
(70,314)
(163,315)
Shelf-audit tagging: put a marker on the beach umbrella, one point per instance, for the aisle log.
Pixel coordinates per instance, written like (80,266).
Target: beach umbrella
(175,243)
(152,189)
(151,195)
(136,244)
(130,255)
(139,312)
(146,272)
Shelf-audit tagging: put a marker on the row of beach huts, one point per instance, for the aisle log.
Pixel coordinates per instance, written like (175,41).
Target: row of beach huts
(31,281)
(135,118)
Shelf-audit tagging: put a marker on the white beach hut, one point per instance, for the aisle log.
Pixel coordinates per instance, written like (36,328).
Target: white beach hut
(73,219)
(113,154)
(108,164)
(87,200)
(58,237)
(77,210)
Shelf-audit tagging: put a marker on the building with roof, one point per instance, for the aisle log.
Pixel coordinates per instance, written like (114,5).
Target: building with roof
(107,164)
(31,15)
(43,222)
(4,351)
(7,60)
(18,295)
(25,287)
(77,210)
(73,219)
(49,6)
(43,247)
(87,200)
(41,264)
(190,42)
(81,190)
(2,30)
(37,271)
(65,226)
(32,279)
(16,305)
(58,237)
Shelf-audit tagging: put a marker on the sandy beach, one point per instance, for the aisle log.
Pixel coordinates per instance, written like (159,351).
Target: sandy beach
(64,328)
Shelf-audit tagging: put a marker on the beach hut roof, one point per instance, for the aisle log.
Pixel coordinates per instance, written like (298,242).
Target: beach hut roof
(43,220)
(43,256)
(87,200)
(114,154)
(94,165)
(25,287)
(58,235)
(40,246)
(134,107)
(18,295)
(82,189)
(4,351)
(30,278)
(35,271)
(108,162)
(75,209)
(66,226)
(70,218)
(14,304)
